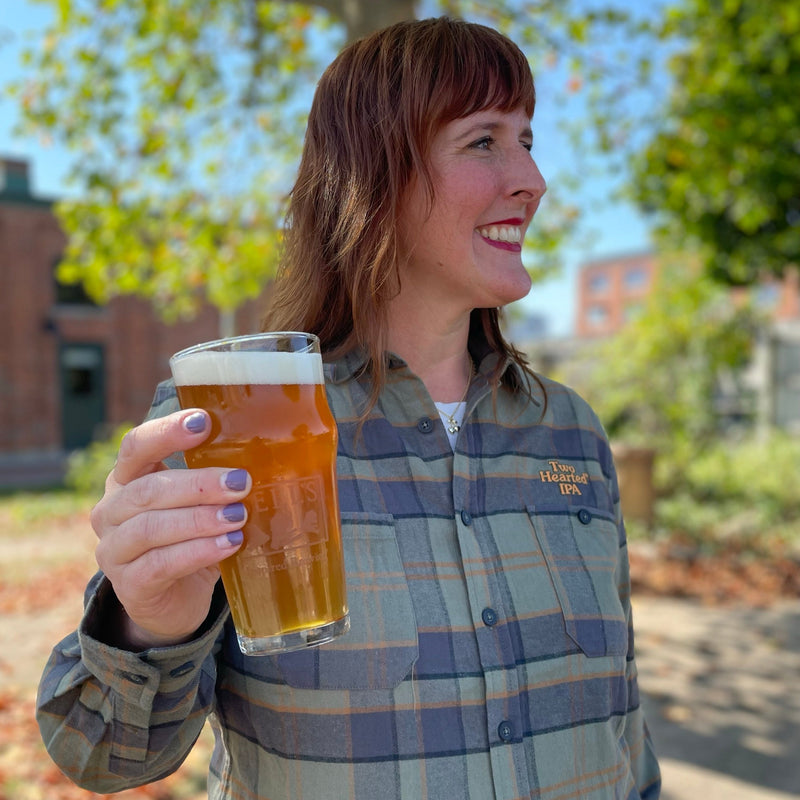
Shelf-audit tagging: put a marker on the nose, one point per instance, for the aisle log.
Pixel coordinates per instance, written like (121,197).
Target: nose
(527,182)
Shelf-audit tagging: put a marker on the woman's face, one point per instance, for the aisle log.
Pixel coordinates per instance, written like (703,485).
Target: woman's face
(487,187)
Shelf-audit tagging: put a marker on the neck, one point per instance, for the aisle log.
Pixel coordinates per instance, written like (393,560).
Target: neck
(440,358)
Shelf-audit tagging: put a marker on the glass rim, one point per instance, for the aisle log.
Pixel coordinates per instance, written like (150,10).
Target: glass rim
(222,344)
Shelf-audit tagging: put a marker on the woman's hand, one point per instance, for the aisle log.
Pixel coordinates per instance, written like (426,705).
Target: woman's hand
(163,531)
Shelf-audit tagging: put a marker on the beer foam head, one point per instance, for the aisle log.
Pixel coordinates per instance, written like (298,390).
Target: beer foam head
(212,368)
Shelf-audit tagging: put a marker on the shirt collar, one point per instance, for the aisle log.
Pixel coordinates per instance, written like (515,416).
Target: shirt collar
(354,362)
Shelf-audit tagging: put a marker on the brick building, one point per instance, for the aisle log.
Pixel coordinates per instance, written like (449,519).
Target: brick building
(70,370)
(611,290)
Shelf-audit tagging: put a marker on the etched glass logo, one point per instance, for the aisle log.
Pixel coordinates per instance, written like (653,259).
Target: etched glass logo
(294,513)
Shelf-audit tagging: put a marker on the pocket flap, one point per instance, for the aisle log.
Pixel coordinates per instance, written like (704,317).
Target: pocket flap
(580,547)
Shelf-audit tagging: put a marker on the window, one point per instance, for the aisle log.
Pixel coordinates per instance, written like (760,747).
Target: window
(636,278)
(598,283)
(597,316)
(767,296)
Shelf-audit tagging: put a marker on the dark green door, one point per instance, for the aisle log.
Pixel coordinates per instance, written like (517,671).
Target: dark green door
(83,405)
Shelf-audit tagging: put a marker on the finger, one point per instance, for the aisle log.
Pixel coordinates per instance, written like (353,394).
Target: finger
(156,529)
(146,580)
(167,592)
(144,448)
(172,488)
(168,564)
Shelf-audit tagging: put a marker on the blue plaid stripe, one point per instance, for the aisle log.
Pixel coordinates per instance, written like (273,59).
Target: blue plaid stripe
(489,655)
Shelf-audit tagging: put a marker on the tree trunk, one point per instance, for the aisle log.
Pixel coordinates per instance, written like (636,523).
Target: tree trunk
(362,17)
(227,324)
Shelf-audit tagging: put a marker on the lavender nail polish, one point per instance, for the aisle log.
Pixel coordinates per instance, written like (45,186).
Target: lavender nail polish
(234,512)
(231,539)
(196,423)
(236,480)
(235,537)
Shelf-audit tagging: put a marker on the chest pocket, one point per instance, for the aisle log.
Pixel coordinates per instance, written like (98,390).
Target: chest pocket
(580,547)
(381,646)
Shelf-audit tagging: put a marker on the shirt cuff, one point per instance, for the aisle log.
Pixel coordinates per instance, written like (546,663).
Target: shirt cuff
(136,677)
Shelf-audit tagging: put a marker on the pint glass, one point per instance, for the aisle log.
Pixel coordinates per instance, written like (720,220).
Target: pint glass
(266,398)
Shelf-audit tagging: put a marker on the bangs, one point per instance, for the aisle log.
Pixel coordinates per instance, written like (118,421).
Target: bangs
(477,68)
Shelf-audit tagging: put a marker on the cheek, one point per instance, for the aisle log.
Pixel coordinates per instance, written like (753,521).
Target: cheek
(471,201)
(461,202)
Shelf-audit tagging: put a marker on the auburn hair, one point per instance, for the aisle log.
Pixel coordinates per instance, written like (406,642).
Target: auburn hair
(374,115)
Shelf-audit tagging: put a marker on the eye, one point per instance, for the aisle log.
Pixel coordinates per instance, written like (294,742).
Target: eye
(484,143)
(527,145)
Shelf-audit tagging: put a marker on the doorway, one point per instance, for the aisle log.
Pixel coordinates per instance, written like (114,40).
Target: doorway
(83,404)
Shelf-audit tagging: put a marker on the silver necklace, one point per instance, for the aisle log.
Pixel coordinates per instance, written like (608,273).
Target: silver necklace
(451,421)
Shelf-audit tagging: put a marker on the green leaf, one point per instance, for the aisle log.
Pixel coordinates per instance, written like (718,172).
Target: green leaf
(186,118)
(729,179)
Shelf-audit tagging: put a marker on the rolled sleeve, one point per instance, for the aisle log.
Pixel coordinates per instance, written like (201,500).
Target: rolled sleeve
(113,719)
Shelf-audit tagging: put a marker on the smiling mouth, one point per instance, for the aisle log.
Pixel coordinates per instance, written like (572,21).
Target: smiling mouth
(502,233)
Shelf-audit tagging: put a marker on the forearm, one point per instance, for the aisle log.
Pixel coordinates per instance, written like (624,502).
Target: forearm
(98,705)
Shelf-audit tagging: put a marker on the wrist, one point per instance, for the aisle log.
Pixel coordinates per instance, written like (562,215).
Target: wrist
(109,623)
(135,638)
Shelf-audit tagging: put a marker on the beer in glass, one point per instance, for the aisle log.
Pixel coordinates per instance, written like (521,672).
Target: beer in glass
(265,395)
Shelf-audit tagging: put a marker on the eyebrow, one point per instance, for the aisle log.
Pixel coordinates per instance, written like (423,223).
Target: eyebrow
(491,126)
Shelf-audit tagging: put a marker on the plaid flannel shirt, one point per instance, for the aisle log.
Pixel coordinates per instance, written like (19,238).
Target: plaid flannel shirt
(491,649)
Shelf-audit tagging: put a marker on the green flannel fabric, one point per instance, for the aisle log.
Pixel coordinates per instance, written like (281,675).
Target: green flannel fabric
(491,649)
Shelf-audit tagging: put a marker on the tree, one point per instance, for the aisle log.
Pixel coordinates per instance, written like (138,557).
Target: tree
(187,115)
(657,381)
(674,380)
(723,169)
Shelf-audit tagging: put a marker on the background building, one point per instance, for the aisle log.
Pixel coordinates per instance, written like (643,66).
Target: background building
(69,369)
(612,290)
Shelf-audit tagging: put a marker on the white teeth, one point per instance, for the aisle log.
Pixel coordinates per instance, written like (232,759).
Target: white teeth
(502,233)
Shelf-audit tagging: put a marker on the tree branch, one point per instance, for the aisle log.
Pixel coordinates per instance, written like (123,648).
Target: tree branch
(362,17)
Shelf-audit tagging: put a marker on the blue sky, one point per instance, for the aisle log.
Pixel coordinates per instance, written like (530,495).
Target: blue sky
(614,227)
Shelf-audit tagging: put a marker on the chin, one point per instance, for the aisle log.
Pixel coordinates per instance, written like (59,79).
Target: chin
(515,290)
(495,286)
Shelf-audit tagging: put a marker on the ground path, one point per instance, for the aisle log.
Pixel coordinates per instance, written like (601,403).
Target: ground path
(721,688)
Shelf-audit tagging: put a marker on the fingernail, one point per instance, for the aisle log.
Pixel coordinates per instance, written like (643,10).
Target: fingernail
(231,539)
(234,512)
(236,480)
(195,423)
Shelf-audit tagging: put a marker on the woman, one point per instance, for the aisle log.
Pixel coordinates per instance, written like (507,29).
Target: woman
(491,651)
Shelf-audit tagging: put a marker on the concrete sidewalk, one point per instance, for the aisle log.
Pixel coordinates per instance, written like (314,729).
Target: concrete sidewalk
(721,689)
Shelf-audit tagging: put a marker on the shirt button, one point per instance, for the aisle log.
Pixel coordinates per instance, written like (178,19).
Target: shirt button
(424,425)
(505,731)
(584,516)
(466,517)
(489,616)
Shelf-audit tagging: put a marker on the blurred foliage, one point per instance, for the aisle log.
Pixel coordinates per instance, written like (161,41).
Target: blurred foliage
(185,118)
(723,169)
(87,469)
(24,510)
(655,383)
(734,495)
